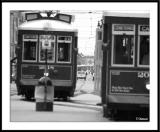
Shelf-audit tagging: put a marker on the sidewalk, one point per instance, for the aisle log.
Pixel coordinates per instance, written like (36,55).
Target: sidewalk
(89,99)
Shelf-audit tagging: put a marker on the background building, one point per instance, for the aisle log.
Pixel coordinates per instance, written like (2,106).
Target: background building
(98,57)
(85,60)
(16,18)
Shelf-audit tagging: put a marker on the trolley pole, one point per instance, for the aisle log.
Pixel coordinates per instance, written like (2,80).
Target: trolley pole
(46,70)
(44,90)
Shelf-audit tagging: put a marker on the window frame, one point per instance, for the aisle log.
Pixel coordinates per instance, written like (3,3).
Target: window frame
(130,33)
(70,52)
(54,41)
(27,40)
(141,33)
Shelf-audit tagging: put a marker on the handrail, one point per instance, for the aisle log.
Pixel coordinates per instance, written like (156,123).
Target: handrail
(12,60)
(11,64)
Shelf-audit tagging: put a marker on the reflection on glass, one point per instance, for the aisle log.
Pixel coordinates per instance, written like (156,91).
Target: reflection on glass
(50,52)
(144,50)
(123,49)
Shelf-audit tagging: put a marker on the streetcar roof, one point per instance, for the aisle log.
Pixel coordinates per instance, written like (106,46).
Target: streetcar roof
(142,14)
(49,25)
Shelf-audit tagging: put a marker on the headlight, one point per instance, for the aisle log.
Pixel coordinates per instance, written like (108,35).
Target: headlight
(46,74)
(148,86)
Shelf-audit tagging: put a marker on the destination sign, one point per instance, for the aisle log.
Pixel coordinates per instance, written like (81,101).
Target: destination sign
(64,39)
(37,16)
(46,44)
(64,17)
(46,37)
(129,82)
(144,28)
(30,36)
(46,41)
(32,16)
(123,27)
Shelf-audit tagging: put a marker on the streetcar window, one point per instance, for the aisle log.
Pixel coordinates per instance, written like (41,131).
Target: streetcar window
(64,38)
(64,52)
(50,40)
(123,49)
(144,50)
(29,51)
(64,49)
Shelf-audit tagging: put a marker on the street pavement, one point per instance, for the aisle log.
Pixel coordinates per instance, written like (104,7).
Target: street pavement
(13,89)
(84,86)
(80,108)
(22,110)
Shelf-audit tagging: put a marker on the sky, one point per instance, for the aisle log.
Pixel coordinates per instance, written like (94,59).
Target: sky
(86,23)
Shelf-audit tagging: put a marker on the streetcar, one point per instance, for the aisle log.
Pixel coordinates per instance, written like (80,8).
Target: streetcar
(122,64)
(59,34)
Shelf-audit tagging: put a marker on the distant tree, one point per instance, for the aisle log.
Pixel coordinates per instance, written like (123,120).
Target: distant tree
(90,62)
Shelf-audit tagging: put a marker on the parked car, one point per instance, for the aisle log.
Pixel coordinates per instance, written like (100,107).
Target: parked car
(81,75)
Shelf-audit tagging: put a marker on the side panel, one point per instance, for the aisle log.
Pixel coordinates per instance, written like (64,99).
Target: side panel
(128,82)
(29,71)
(106,60)
(128,87)
(74,68)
